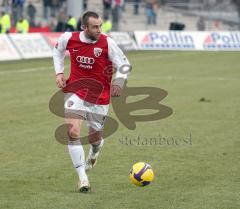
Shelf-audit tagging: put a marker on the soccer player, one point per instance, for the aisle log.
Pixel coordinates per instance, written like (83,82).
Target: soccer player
(91,54)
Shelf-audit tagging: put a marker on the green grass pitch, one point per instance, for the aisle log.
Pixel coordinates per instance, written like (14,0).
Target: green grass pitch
(201,172)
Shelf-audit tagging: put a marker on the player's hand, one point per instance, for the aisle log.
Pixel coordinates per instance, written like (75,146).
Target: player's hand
(116,91)
(60,81)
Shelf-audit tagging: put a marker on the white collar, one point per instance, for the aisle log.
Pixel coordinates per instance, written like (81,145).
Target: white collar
(84,39)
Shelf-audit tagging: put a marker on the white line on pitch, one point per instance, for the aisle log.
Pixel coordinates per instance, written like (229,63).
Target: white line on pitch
(184,78)
(26,70)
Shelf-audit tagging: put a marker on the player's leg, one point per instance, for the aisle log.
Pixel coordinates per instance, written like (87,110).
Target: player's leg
(95,123)
(96,143)
(76,152)
(74,116)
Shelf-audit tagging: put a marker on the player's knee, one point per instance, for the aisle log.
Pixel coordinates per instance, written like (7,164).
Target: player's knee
(74,132)
(95,137)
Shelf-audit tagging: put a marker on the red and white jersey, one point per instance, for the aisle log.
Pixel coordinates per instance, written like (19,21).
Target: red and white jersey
(91,65)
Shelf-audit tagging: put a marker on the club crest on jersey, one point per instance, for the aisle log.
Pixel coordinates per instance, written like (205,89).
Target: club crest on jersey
(97,52)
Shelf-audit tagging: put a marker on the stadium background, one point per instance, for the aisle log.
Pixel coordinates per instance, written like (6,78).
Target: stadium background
(194,152)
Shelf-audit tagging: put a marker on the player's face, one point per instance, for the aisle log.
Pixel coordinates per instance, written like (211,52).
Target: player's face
(93,28)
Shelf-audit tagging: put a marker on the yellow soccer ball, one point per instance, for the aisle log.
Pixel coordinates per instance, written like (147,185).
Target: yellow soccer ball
(141,174)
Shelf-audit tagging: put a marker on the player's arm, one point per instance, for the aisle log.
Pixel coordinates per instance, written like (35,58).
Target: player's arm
(122,66)
(58,58)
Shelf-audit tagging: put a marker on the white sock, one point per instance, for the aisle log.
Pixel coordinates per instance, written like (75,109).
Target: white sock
(95,150)
(78,158)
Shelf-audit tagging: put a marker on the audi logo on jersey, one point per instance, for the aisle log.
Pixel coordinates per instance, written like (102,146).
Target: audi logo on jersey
(85,60)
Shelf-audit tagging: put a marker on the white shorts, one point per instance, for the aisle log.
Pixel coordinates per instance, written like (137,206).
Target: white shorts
(94,114)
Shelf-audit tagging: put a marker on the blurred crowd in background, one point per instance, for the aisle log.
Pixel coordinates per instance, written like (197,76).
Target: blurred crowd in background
(21,15)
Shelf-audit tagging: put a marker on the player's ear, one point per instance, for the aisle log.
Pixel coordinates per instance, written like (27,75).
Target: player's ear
(83,27)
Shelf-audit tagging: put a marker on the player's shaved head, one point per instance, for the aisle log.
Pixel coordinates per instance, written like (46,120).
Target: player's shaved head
(87,15)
